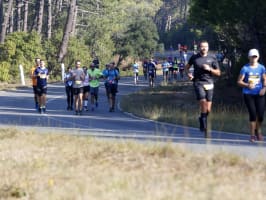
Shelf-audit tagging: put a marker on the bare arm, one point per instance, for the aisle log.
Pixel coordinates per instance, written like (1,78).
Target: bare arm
(241,83)
(263,90)
(189,74)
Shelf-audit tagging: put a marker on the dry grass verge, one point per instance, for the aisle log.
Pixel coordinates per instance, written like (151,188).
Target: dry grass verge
(53,166)
(177,104)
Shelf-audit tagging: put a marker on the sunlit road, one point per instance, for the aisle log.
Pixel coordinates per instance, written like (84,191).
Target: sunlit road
(17,109)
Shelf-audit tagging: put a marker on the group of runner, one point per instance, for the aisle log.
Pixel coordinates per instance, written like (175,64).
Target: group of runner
(170,69)
(81,86)
(82,83)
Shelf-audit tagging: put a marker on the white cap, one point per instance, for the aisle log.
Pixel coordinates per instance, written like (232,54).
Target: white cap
(253,52)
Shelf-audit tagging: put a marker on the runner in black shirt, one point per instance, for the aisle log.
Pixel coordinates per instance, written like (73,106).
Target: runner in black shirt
(205,67)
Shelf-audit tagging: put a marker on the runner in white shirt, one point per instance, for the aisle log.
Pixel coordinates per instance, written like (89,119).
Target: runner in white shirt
(136,72)
(165,68)
(86,88)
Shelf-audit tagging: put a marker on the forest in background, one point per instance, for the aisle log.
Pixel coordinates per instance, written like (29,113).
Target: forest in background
(65,30)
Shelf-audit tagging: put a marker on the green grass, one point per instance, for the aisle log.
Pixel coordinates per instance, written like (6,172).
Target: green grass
(177,104)
(57,166)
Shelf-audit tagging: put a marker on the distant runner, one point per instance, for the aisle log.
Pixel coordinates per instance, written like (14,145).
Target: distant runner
(34,81)
(151,68)
(78,77)
(42,76)
(94,76)
(136,72)
(181,67)
(165,68)
(86,88)
(69,88)
(144,67)
(111,76)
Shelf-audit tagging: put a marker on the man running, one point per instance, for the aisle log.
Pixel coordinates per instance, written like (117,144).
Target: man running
(34,82)
(94,75)
(144,67)
(78,77)
(205,67)
(181,67)
(151,68)
(111,76)
(41,73)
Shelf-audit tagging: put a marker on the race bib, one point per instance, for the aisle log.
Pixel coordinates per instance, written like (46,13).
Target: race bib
(254,79)
(42,76)
(78,82)
(208,86)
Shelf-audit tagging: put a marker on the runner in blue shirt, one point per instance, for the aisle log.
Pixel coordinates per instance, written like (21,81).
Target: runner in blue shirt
(111,76)
(151,68)
(252,79)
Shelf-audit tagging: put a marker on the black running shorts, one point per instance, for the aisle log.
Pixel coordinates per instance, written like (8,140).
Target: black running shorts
(202,93)
(86,89)
(111,89)
(78,91)
(41,90)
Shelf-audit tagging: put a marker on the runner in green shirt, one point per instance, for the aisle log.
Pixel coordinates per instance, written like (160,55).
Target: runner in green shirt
(94,75)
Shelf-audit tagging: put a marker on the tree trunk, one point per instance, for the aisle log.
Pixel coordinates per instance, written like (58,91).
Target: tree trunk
(11,22)
(67,31)
(1,13)
(49,20)
(18,18)
(40,17)
(73,29)
(5,22)
(26,12)
(58,6)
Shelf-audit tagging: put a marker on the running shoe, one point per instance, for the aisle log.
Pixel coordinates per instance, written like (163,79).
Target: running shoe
(252,138)
(259,136)
(77,112)
(96,104)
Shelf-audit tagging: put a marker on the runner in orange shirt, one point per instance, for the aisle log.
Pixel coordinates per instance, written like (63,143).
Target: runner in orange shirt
(34,81)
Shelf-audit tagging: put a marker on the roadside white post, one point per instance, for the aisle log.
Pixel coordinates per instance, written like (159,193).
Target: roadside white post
(63,70)
(22,75)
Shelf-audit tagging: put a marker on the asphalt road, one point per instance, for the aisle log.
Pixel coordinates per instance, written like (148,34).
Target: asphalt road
(17,109)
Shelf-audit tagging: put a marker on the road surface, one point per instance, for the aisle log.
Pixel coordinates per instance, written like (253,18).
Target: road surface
(17,110)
